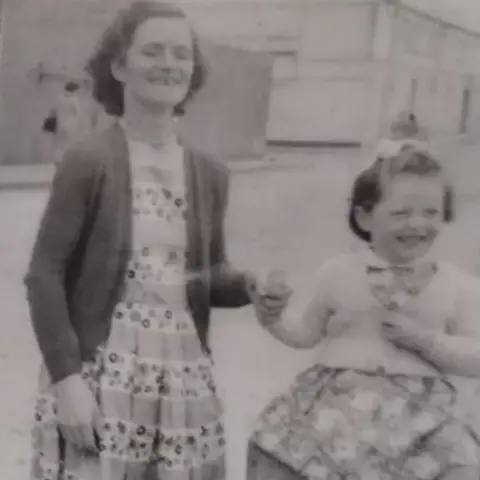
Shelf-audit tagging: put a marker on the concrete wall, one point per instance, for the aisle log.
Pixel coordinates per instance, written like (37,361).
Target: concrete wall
(50,36)
(432,63)
(48,41)
(320,49)
(343,69)
(326,100)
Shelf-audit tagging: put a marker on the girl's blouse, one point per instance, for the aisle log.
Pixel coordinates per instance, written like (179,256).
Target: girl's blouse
(351,314)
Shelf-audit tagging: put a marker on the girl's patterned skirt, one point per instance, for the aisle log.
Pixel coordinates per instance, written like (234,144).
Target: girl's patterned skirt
(336,424)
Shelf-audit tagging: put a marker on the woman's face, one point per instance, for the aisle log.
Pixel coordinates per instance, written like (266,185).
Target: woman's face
(158,65)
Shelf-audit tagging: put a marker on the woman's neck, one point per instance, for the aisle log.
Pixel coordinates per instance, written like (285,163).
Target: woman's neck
(152,125)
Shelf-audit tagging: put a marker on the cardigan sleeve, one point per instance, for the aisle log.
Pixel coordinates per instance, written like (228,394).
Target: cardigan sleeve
(228,285)
(59,231)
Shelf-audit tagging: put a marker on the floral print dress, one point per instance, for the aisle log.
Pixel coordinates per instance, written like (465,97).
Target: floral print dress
(355,424)
(161,418)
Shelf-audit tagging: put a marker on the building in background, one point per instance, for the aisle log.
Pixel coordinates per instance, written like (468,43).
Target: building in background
(345,68)
(342,69)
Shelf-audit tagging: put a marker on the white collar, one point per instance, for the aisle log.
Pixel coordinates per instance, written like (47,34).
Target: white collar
(371,259)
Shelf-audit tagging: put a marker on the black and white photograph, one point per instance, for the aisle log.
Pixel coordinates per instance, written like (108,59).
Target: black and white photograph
(241,239)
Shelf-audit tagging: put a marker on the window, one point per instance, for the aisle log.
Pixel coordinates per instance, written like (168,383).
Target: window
(465,110)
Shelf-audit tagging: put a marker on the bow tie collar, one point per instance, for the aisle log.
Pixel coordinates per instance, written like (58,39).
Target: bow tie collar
(392,284)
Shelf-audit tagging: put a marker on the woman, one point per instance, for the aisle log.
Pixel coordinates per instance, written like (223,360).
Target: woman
(128,261)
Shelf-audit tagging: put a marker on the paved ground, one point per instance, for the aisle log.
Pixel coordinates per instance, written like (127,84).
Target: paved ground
(288,218)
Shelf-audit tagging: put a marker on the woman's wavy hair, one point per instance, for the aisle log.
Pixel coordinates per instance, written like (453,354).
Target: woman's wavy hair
(368,187)
(116,41)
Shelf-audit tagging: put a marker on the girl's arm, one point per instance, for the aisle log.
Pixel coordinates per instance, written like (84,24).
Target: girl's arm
(458,351)
(455,352)
(302,331)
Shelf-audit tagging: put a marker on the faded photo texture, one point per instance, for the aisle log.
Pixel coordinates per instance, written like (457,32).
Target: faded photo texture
(332,153)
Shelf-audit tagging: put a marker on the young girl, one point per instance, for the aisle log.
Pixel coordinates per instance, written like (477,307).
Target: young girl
(395,329)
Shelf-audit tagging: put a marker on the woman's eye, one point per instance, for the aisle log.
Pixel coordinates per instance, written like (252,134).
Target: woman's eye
(182,53)
(153,50)
(432,212)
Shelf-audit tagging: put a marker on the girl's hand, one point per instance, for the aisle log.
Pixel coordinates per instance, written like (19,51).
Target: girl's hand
(404,333)
(270,298)
(77,412)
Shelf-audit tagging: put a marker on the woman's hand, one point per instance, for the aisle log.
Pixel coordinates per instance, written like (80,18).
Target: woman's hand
(77,412)
(405,333)
(270,298)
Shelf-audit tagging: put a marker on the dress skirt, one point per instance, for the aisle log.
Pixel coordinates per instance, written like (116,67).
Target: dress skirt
(161,417)
(336,424)
(158,403)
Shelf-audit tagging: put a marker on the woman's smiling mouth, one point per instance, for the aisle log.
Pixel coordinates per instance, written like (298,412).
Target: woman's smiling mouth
(165,79)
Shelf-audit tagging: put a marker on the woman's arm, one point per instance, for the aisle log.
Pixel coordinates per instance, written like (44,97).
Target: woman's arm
(57,236)
(229,287)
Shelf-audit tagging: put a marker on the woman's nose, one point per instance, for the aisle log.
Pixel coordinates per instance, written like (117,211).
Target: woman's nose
(168,58)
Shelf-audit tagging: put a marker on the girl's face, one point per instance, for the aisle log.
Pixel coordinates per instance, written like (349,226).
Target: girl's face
(158,66)
(406,222)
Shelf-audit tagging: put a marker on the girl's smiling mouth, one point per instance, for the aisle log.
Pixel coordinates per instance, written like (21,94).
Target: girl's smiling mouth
(413,240)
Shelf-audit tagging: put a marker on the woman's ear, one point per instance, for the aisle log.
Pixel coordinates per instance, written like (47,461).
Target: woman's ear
(118,70)
(363,218)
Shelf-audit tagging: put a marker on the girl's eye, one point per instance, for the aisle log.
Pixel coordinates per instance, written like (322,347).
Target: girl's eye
(400,213)
(150,52)
(432,212)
